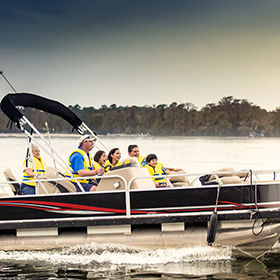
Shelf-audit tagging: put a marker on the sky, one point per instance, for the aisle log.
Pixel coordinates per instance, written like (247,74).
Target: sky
(142,52)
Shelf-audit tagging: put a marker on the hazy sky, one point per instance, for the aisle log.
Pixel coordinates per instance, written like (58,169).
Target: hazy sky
(142,52)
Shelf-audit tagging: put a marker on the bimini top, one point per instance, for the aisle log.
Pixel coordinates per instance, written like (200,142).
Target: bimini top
(10,101)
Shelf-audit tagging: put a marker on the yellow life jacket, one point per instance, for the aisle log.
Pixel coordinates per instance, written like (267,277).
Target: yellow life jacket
(108,165)
(142,161)
(87,164)
(157,171)
(96,165)
(40,167)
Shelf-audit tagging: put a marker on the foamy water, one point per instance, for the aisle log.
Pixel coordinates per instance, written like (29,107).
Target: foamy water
(85,254)
(197,260)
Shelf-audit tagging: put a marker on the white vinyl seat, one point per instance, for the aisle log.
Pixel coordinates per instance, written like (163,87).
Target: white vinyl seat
(50,173)
(179,181)
(15,187)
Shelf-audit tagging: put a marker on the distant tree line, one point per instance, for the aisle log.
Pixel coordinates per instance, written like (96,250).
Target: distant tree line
(229,117)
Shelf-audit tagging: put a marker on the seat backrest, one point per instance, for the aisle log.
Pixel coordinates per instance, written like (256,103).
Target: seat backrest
(50,186)
(128,173)
(180,180)
(229,171)
(50,173)
(15,187)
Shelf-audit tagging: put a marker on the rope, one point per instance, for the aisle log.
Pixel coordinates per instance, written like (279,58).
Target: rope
(258,213)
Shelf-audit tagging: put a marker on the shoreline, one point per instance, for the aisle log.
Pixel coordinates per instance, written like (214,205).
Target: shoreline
(122,135)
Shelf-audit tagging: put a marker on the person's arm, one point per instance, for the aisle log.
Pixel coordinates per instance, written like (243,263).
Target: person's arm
(167,171)
(173,169)
(29,172)
(88,173)
(27,168)
(79,167)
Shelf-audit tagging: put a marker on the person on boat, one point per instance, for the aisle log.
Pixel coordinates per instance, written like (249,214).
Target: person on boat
(113,160)
(29,173)
(99,158)
(133,152)
(156,168)
(81,164)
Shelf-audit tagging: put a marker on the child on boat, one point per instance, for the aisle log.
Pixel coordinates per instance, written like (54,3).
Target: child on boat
(156,168)
(99,158)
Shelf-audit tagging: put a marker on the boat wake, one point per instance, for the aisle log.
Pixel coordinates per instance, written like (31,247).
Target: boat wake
(107,257)
(119,254)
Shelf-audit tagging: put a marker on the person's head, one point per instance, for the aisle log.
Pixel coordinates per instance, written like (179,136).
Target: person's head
(133,151)
(100,157)
(114,155)
(35,151)
(152,160)
(87,142)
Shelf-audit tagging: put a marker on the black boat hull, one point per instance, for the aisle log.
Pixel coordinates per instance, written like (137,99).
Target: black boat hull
(188,204)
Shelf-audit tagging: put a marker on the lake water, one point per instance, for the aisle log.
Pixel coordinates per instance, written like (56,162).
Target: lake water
(92,261)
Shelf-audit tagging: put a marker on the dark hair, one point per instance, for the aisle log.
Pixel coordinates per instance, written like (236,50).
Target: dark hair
(111,153)
(98,155)
(150,157)
(131,147)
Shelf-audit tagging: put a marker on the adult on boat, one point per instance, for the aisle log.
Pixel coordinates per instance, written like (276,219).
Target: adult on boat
(113,160)
(29,173)
(81,164)
(156,168)
(133,151)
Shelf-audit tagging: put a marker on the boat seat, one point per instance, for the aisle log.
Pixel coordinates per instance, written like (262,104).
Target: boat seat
(229,171)
(179,181)
(51,174)
(181,184)
(51,186)
(230,180)
(230,177)
(4,194)
(128,173)
(15,187)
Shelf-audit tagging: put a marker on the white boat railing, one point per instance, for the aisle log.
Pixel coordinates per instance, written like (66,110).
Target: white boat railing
(195,177)
(57,180)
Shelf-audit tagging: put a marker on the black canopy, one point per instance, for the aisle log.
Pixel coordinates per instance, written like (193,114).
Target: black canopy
(10,101)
